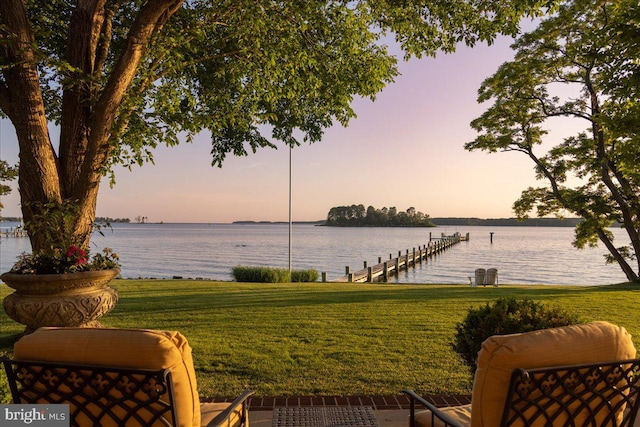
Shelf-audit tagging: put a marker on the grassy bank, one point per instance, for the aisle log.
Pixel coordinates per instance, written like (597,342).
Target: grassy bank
(331,339)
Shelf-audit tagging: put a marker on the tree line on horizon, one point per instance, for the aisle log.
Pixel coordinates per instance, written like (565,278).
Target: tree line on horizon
(99,219)
(358,216)
(509,222)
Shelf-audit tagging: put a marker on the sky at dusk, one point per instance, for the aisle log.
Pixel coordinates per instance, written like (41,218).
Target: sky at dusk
(405,149)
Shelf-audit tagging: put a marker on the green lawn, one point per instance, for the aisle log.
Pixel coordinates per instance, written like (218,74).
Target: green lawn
(331,339)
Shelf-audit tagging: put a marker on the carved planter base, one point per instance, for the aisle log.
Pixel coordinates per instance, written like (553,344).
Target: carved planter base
(71,299)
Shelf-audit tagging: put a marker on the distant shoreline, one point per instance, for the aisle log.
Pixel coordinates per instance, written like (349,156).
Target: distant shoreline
(321,222)
(493,222)
(509,222)
(444,221)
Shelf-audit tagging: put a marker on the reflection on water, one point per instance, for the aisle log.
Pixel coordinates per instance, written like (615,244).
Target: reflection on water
(521,254)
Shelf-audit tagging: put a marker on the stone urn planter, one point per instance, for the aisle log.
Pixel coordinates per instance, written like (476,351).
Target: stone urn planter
(68,299)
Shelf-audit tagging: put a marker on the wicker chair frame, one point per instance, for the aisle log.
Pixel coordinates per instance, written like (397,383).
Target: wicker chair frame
(594,395)
(103,395)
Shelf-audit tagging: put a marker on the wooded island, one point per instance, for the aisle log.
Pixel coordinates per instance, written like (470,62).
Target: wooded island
(358,216)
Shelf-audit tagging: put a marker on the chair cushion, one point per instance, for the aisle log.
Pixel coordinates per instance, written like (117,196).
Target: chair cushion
(461,413)
(124,348)
(568,345)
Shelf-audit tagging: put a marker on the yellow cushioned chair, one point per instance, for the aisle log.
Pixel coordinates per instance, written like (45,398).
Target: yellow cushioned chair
(116,377)
(579,375)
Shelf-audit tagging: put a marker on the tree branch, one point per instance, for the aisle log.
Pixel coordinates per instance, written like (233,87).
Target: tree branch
(605,170)
(104,43)
(150,19)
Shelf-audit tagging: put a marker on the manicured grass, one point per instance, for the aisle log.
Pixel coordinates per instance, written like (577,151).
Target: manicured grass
(331,339)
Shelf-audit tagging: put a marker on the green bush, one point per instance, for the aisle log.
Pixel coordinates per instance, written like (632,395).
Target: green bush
(272,275)
(304,275)
(504,316)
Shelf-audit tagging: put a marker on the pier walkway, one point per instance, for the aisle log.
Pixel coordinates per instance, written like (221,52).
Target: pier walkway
(14,232)
(383,270)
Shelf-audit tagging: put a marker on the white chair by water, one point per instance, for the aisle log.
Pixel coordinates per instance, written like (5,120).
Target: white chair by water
(480,272)
(491,277)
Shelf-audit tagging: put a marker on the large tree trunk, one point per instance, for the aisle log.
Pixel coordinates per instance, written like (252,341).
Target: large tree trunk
(89,110)
(22,101)
(618,191)
(632,276)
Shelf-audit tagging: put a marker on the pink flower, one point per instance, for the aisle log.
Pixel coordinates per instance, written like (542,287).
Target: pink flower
(71,251)
(75,251)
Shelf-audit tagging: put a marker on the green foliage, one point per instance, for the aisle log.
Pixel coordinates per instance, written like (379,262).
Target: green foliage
(304,275)
(356,216)
(580,65)
(272,275)
(7,173)
(231,67)
(55,222)
(71,260)
(104,260)
(504,316)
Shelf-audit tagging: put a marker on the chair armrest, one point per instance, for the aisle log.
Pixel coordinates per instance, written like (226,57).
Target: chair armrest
(413,398)
(225,414)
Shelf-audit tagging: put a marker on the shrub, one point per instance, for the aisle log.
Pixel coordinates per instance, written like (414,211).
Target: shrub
(272,275)
(304,275)
(504,316)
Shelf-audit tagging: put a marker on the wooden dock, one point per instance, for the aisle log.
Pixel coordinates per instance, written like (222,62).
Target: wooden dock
(383,270)
(14,232)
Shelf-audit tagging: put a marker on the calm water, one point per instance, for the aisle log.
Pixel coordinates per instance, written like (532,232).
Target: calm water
(521,254)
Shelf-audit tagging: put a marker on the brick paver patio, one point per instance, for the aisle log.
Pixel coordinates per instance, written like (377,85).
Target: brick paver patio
(376,402)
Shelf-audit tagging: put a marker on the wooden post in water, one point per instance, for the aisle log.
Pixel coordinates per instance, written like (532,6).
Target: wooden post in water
(491,236)
(385,270)
(347,270)
(324,276)
(370,274)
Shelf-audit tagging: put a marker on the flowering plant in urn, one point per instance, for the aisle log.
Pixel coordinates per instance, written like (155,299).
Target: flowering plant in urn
(71,260)
(60,284)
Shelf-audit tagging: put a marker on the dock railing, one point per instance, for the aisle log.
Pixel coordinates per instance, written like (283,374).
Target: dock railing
(383,270)
(14,232)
